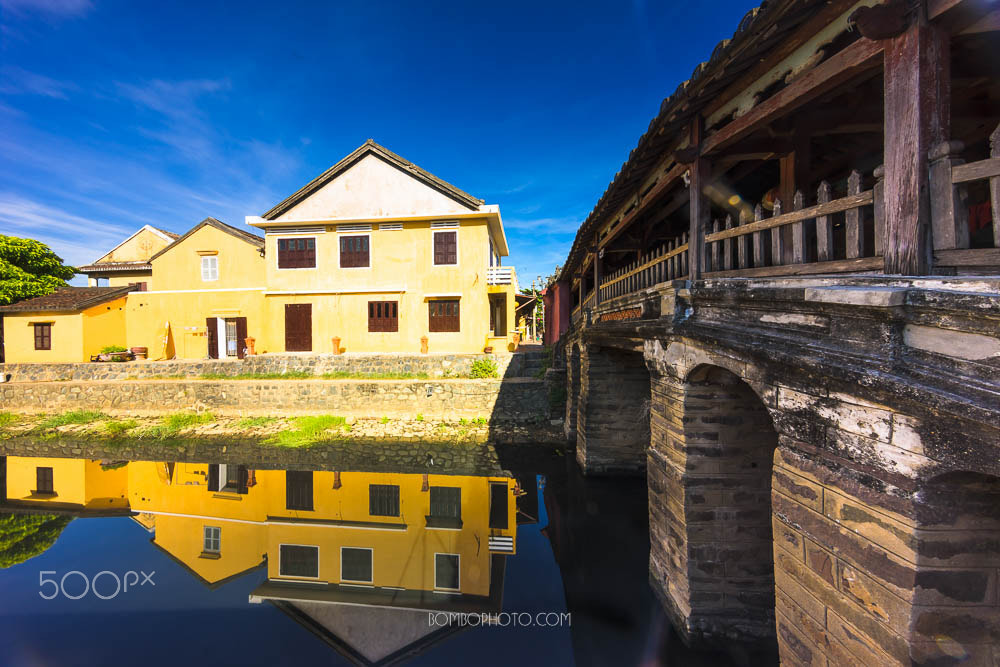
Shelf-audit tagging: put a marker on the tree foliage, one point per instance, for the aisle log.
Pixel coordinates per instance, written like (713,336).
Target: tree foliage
(24,536)
(29,268)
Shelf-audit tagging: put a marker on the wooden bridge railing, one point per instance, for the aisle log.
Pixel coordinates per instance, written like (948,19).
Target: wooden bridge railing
(667,262)
(950,177)
(750,247)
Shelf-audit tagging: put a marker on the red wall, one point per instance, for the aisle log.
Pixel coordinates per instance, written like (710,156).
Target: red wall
(556,300)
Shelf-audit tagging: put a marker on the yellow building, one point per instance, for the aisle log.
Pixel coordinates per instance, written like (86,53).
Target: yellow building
(375,253)
(128,262)
(83,486)
(70,325)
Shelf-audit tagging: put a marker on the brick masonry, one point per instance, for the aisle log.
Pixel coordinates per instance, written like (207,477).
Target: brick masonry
(433,365)
(516,399)
(872,452)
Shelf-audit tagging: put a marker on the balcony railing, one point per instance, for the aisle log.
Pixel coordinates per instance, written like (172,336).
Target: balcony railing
(500,275)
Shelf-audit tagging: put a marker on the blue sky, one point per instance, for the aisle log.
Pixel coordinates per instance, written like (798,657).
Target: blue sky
(115,114)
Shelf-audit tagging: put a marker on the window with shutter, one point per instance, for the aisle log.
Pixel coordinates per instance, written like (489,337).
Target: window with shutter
(299,490)
(445,248)
(43,480)
(297,253)
(213,540)
(446,571)
(356,564)
(383,500)
(446,502)
(383,316)
(43,336)
(210,268)
(443,315)
(295,560)
(354,251)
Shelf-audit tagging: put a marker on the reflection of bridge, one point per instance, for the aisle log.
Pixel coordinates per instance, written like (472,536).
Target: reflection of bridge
(819,433)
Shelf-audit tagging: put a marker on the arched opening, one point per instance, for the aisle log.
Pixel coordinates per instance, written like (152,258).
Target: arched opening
(710,505)
(956,608)
(573,397)
(612,420)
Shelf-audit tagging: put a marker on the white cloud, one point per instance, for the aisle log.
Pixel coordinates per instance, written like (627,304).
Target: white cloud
(17,81)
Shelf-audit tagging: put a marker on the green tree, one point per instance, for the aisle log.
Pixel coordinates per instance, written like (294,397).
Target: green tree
(29,268)
(24,536)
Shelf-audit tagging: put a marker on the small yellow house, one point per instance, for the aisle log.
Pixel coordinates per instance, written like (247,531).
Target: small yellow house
(69,325)
(128,262)
(209,295)
(81,485)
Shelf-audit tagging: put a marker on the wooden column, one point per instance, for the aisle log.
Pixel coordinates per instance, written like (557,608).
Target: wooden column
(597,276)
(699,205)
(917,118)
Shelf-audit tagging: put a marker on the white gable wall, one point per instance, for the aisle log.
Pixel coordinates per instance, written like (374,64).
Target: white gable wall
(373,188)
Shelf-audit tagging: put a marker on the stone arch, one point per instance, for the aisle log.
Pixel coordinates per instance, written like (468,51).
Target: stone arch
(709,474)
(573,391)
(612,420)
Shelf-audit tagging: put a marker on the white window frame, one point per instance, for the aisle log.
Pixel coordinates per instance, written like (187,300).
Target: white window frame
(356,582)
(210,262)
(458,246)
(295,576)
(459,570)
(371,250)
(312,235)
(206,539)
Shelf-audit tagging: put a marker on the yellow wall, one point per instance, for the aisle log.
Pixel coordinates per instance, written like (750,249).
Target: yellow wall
(240,263)
(80,483)
(120,279)
(75,336)
(402,270)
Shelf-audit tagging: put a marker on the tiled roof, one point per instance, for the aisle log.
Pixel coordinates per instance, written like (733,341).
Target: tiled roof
(115,266)
(760,30)
(68,298)
(371,147)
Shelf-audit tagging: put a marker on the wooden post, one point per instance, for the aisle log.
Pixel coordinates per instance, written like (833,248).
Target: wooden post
(597,276)
(727,247)
(995,188)
(686,256)
(743,250)
(798,231)
(917,111)
(758,238)
(715,247)
(854,232)
(878,207)
(777,238)
(949,201)
(698,204)
(824,226)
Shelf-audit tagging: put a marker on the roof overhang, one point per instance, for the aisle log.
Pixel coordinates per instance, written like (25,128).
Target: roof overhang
(489,212)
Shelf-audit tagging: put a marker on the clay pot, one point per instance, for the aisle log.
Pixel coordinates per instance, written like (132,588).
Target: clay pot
(423,345)
(251,342)
(488,349)
(140,352)
(336,344)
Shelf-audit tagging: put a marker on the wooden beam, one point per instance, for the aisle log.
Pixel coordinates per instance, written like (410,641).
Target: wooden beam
(666,182)
(816,268)
(856,58)
(917,118)
(819,210)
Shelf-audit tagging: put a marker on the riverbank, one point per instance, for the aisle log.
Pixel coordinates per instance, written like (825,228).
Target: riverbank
(289,432)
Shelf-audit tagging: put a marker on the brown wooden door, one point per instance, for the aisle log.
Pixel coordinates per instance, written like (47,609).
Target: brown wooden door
(241,336)
(212,325)
(298,327)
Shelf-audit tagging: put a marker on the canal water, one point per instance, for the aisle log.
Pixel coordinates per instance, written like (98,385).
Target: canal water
(160,562)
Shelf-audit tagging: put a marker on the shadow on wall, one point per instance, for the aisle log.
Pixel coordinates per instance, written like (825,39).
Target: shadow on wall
(533,395)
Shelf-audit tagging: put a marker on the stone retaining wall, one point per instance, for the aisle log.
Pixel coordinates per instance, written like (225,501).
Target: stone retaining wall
(519,399)
(433,365)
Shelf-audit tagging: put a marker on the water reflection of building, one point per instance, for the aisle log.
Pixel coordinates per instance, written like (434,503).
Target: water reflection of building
(358,558)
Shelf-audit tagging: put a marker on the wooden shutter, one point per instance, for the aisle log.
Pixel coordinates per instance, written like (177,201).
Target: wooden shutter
(446,247)
(43,480)
(446,502)
(242,480)
(213,477)
(43,336)
(212,325)
(383,316)
(299,490)
(383,500)
(498,506)
(298,327)
(443,315)
(353,251)
(241,336)
(298,253)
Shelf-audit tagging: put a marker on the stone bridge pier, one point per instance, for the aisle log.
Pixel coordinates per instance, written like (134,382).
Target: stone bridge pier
(823,461)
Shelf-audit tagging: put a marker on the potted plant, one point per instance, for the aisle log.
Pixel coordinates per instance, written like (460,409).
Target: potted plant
(114,353)
(140,352)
